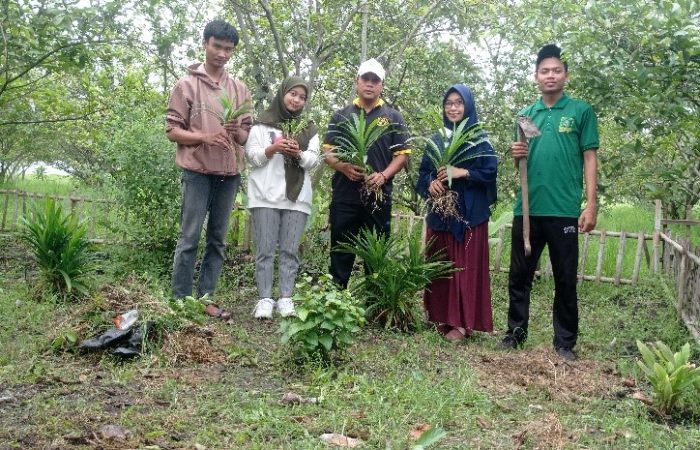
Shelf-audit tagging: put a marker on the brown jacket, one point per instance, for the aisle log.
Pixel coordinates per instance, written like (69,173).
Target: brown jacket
(194,105)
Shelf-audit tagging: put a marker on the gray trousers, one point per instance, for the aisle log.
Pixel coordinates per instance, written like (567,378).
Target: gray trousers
(202,195)
(273,228)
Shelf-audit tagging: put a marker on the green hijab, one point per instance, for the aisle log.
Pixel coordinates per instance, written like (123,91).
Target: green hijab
(275,116)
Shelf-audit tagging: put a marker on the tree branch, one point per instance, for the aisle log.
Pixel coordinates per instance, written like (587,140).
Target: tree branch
(38,61)
(40,121)
(275,36)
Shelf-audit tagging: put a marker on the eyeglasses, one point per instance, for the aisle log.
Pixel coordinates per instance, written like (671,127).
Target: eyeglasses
(456,104)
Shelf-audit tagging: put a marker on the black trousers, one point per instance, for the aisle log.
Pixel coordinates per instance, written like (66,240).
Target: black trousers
(560,234)
(346,220)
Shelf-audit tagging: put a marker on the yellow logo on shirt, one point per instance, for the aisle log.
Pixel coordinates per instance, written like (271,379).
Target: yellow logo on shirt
(383,121)
(566,125)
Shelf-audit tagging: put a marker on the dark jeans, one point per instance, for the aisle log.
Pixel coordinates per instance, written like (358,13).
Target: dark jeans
(560,234)
(346,220)
(202,195)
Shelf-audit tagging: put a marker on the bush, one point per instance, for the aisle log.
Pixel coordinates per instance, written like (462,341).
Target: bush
(398,270)
(60,246)
(326,319)
(671,375)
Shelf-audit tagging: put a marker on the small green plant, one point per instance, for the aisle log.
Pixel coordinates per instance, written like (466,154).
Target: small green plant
(291,128)
(327,318)
(188,308)
(229,111)
(671,375)
(430,437)
(60,246)
(66,340)
(398,270)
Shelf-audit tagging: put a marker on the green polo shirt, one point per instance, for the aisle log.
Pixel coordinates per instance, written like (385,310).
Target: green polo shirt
(555,159)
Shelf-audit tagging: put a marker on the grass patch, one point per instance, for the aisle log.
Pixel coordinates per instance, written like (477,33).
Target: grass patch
(386,385)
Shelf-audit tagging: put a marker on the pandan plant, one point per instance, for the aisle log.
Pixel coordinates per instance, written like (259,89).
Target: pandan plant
(398,269)
(451,150)
(353,147)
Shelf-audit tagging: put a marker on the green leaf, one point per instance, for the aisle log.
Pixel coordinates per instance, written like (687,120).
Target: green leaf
(430,437)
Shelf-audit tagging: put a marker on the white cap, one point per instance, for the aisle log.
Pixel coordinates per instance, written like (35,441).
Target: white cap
(371,66)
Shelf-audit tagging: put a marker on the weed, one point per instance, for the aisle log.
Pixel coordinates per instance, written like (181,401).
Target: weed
(327,318)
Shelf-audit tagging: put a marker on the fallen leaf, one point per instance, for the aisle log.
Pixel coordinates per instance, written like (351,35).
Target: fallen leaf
(338,440)
(82,378)
(482,423)
(418,430)
(199,447)
(628,382)
(641,397)
(114,433)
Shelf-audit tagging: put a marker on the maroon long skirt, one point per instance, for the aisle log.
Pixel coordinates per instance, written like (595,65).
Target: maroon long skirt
(464,299)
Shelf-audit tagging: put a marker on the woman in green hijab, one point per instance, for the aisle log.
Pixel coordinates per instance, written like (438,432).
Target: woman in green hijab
(282,148)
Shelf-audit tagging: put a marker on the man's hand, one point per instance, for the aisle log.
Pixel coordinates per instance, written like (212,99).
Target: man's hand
(587,220)
(354,173)
(232,127)
(519,150)
(376,179)
(218,139)
(457,172)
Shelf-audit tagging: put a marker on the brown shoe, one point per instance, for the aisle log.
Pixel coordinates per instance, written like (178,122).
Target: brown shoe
(214,311)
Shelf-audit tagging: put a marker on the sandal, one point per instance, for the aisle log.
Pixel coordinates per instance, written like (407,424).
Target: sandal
(213,310)
(456,335)
(443,328)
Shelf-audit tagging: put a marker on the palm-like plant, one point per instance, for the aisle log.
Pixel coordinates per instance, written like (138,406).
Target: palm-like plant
(354,143)
(229,111)
(60,245)
(398,270)
(448,151)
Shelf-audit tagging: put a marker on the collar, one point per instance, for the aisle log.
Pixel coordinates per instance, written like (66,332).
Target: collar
(561,103)
(357,103)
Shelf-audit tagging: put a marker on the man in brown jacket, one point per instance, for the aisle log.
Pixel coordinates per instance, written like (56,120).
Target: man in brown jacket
(210,154)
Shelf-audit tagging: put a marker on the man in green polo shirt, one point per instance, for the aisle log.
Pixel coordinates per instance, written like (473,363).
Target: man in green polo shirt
(557,163)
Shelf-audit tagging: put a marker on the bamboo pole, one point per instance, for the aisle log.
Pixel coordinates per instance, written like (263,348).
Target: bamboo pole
(638,259)
(657,229)
(4,209)
(599,262)
(584,254)
(620,258)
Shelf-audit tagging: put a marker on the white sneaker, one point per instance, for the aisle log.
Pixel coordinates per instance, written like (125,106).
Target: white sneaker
(285,306)
(263,310)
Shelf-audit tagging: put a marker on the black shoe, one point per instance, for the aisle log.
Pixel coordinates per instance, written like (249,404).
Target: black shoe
(509,342)
(566,353)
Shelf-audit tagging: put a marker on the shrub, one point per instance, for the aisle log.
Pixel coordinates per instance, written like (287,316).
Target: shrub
(60,246)
(671,375)
(398,270)
(327,318)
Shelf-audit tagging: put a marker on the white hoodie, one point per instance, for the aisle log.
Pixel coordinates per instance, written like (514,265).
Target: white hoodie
(266,185)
